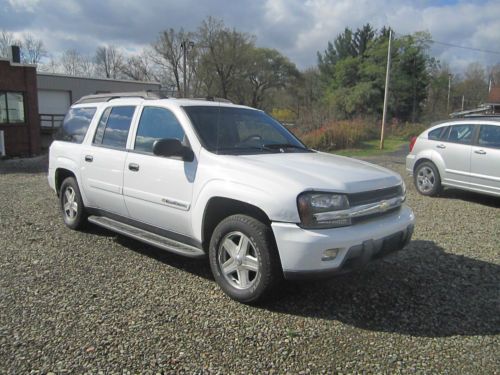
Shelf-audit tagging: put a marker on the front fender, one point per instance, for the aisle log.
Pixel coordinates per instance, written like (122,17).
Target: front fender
(276,208)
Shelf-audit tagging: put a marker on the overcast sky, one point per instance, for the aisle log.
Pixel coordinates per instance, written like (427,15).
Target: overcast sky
(296,28)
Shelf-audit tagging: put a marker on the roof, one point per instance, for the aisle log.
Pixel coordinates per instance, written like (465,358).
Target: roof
(43,74)
(148,95)
(467,119)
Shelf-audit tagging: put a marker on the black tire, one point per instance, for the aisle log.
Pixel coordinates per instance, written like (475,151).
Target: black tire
(427,179)
(74,215)
(261,251)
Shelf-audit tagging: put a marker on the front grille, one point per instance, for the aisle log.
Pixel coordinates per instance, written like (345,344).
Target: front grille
(373,196)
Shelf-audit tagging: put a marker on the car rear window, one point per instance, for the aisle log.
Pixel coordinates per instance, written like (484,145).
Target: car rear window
(75,125)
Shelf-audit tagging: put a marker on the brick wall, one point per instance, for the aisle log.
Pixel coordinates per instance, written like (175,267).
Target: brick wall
(21,139)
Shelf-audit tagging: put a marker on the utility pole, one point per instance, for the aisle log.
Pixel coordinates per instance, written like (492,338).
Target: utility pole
(386,91)
(449,90)
(185,45)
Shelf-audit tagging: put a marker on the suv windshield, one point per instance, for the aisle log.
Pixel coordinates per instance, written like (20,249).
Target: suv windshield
(227,130)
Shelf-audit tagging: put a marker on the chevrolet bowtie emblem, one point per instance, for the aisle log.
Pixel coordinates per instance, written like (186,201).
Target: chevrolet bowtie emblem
(384,205)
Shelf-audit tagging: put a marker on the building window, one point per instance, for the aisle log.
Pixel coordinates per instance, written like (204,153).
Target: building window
(11,107)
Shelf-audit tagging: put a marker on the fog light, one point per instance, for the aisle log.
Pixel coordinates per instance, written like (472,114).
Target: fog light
(330,254)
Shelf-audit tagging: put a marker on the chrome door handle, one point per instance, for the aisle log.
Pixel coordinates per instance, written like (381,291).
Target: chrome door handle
(89,158)
(480,152)
(441,146)
(133,167)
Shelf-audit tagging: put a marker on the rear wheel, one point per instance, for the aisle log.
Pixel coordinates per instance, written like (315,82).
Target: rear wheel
(72,208)
(243,258)
(427,179)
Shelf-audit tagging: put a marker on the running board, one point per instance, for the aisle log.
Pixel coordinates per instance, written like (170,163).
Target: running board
(147,237)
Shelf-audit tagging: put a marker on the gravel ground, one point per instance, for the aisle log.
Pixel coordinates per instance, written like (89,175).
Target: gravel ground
(89,302)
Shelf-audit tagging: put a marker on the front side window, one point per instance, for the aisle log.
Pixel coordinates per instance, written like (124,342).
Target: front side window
(75,125)
(241,131)
(460,134)
(113,126)
(156,123)
(489,136)
(11,108)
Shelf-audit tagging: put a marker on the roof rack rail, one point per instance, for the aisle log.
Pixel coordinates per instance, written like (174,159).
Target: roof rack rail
(213,99)
(475,115)
(106,97)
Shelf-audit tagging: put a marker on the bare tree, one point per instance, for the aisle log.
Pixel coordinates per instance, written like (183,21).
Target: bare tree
(169,54)
(225,53)
(140,67)
(32,50)
(108,61)
(76,64)
(7,40)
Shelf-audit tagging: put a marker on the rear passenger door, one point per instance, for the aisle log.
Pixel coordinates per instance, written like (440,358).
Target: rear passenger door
(485,160)
(103,160)
(455,147)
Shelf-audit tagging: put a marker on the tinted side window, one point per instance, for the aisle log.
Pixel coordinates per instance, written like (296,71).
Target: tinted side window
(156,123)
(114,126)
(102,125)
(436,134)
(460,134)
(489,136)
(75,125)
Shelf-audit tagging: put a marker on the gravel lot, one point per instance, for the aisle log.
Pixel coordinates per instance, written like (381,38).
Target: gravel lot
(84,302)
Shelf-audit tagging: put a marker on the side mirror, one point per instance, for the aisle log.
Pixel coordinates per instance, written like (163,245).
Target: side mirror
(170,147)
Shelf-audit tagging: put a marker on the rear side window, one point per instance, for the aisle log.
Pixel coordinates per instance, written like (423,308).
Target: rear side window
(156,123)
(460,134)
(75,125)
(489,136)
(113,126)
(436,134)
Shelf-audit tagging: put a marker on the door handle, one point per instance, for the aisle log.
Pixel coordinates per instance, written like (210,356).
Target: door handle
(480,152)
(133,167)
(441,146)
(89,158)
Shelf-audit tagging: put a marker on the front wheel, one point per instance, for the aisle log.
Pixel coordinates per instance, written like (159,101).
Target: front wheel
(243,258)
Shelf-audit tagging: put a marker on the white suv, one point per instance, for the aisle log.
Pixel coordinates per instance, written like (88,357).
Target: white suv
(200,177)
(462,153)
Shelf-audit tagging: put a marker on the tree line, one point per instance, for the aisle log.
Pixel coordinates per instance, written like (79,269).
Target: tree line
(346,83)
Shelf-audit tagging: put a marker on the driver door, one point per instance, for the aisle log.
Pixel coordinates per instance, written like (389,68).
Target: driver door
(158,190)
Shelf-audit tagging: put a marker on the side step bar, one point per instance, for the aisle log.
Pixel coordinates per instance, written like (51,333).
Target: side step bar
(147,237)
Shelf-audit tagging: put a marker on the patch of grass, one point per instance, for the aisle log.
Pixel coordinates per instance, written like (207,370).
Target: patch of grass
(292,333)
(371,148)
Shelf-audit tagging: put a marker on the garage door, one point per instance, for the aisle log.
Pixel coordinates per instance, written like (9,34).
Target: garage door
(53,102)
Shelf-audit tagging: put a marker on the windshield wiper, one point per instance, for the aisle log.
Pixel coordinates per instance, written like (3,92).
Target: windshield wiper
(274,146)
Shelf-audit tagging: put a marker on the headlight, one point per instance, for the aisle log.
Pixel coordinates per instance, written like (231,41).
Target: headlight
(403,188)
(321,210)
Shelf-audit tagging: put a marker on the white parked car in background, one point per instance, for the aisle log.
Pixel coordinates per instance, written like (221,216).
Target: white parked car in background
(198,178)
(462,153)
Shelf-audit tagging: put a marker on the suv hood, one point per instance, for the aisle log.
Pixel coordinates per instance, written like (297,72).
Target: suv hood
(320,171)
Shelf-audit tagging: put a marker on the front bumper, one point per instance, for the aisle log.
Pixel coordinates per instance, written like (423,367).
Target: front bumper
(302,251)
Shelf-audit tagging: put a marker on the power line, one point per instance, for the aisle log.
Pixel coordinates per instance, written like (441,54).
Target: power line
(455,45)
(463,47)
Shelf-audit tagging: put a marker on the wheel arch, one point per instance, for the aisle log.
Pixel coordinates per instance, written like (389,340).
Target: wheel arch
(218,208)
(60,175)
